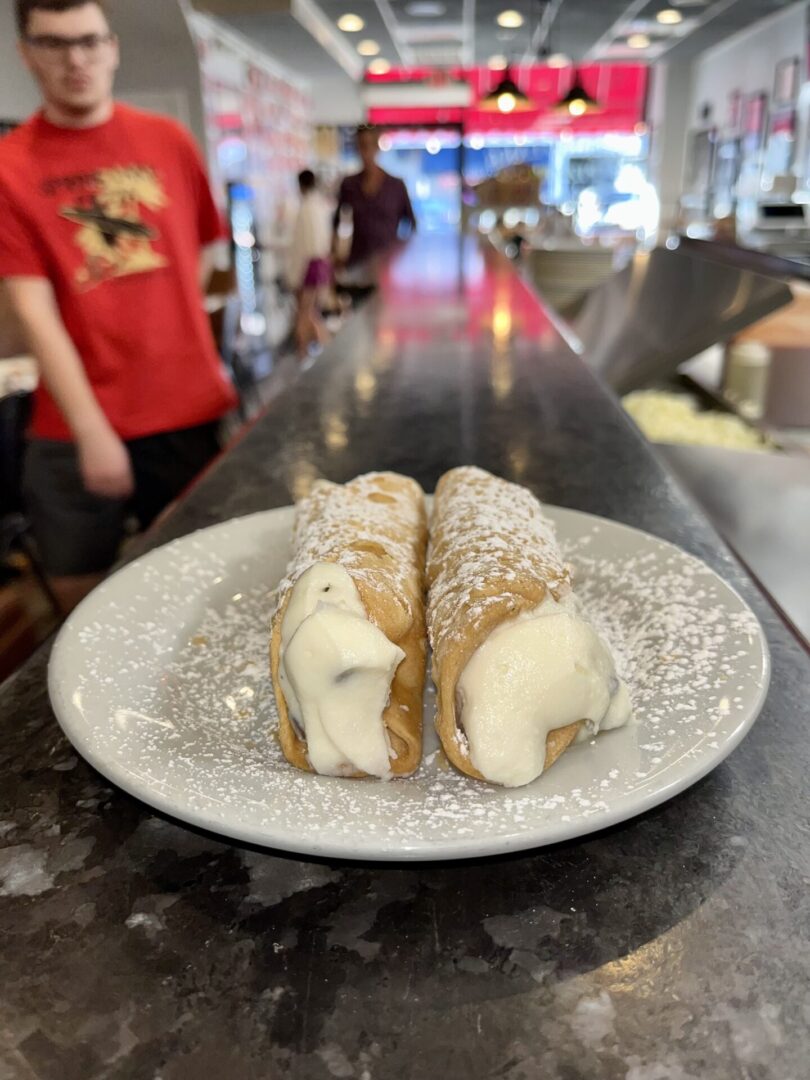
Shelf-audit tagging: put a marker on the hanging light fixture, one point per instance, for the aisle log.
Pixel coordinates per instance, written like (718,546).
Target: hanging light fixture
(507,97)
(577,102)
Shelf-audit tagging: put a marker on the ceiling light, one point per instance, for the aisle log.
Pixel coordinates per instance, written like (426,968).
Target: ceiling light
(507,97)
(638,41)
(577,102)
(425,9)
(669,17)
(510,19)
(379,67)
(558,60)
(367,47)
(497,63)
(350,24)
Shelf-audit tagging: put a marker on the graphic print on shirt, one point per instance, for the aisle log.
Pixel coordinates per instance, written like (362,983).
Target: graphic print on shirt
(112,234)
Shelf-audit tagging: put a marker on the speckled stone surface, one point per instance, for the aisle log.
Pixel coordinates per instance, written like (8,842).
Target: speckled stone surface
(674,947)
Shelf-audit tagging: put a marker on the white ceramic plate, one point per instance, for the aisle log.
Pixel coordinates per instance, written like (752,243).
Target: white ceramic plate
(160,680)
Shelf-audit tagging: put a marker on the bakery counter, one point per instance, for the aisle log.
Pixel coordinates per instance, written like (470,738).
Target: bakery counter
(674,945)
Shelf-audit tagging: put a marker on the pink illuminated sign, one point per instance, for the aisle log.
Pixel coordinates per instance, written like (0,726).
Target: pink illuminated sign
(620,89)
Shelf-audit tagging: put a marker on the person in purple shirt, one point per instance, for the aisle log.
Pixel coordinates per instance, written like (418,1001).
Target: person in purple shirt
(379,205)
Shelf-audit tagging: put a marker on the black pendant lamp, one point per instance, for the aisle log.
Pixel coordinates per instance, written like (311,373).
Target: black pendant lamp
(577,102)
(507,97)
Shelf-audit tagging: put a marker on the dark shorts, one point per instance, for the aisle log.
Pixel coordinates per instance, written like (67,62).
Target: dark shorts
(78,533)
(319,273)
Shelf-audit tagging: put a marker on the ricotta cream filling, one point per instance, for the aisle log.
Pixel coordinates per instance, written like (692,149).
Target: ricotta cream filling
(542,671)
(336,669)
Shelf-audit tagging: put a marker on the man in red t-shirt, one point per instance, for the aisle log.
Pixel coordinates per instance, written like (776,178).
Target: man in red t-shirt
(105,217)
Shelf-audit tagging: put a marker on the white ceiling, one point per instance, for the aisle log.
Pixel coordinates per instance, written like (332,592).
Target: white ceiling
(303,33)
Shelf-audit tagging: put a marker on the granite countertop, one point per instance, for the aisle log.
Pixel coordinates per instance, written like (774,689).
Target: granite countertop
(673,947)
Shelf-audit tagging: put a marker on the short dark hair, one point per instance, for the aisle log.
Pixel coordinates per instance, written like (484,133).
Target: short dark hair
(26,7)
(306,180)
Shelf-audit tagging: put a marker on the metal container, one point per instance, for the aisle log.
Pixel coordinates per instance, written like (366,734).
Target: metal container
(745,376)
(787,402)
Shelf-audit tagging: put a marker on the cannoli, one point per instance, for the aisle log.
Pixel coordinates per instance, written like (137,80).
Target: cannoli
(348,638)
(520,673)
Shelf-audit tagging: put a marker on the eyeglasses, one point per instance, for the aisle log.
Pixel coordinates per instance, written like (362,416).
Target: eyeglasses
(56,48)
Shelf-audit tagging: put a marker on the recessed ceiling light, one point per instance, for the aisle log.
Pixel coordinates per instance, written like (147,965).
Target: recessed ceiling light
(669,17)
(638,41)
(367,47)
(379,67)
(497,63)
(558,60)
(510,19)
(425,9)
(350,24)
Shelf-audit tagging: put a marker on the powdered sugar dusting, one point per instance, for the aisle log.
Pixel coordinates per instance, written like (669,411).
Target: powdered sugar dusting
(493,534)
(169,662)
(343,522)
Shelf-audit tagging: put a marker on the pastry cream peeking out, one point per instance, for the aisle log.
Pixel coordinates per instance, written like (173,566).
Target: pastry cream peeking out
(336,671)
(542,671)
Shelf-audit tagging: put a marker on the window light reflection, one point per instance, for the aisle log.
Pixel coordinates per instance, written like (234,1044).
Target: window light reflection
(365,385)
(501,374)
(303,476)
(519,460)
(336,433)
(502,323)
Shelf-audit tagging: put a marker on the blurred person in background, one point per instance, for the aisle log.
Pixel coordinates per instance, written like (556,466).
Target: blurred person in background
(309,267)
(106,216)
(375,206)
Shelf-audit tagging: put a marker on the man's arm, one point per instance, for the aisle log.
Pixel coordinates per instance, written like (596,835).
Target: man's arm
(407,209)
(339,243)
(104,460)
(341,199)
